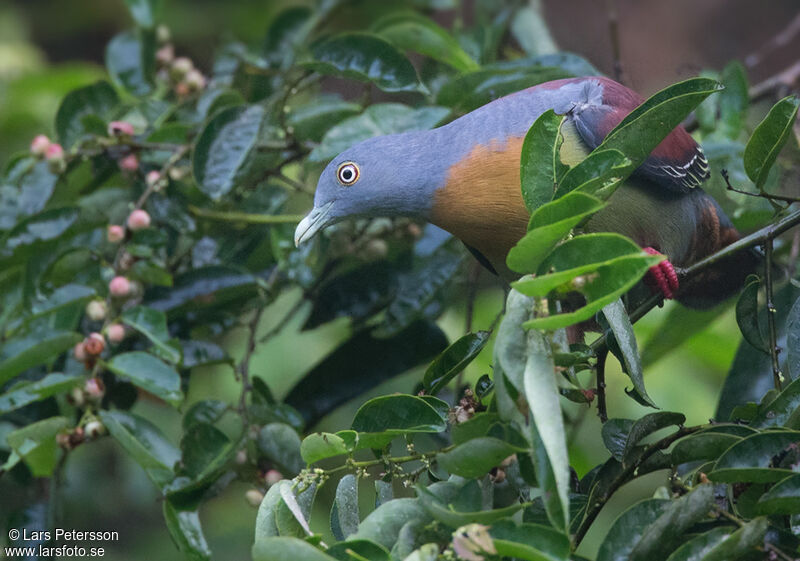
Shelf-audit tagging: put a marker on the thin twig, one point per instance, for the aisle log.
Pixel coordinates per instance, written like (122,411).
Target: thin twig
(761,195)
(296,185)
(786,78)
(245,217)
(626,475)
(244,365)
(600,367)
(771,311)
(778,41)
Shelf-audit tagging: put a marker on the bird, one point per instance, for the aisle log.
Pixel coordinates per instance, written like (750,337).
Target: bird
(464,177)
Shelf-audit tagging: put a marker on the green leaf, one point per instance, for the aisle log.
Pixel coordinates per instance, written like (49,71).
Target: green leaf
(547,425)
(398,414)
(266,526)
(617,265)
(29,194)
(294,509)
(153,325)
(131,63)
(615,436)
(281,444)
(620,324)
(312,120)
(548,225)
(149,373)
(747,314)
(529,541)
(36,444)
(144,12)
(321,445)
(287,549)
(62,297)
(383,524)
(367,58)
(98,100)
(205,450)
(204,411)
(21,353)
(443,509)
(186,531)
(376,120)
(540,162)
(649,424)
(702,446)
(476,457)
(645,127)
(145,443)
(226,147)
(783,498)
(628,528)
(344,515)
(595,175)
(203,353)
(37,233)
(750,459)
(783,411)
(410,31)
(358,550)
(768,138)
(665,533)
(453,360)
(26,393)
(723,544)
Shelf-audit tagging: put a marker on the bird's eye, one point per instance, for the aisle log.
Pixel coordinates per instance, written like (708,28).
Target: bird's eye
(347,174)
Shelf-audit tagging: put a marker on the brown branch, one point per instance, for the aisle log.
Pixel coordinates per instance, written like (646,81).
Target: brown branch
(761,195)
(778,41)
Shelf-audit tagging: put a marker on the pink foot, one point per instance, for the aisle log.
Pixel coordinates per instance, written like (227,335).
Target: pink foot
(662,277)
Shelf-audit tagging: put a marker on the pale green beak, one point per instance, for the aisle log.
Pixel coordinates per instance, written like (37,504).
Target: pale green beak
(316,220)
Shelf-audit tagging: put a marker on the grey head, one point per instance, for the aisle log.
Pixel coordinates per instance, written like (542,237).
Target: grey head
(393,175)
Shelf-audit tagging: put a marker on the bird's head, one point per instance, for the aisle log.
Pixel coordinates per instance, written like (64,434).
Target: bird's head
(384,176)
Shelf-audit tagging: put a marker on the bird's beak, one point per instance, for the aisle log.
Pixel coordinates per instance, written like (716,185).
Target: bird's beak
(313,223)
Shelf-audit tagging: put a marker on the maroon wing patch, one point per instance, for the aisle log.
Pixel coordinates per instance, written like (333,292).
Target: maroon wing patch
(678,162)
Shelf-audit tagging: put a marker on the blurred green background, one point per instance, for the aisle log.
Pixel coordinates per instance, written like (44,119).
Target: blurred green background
(49,47)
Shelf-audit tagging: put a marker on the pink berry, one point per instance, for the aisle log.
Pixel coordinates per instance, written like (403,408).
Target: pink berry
(79,352)
(195,80)
(272,477)
(129,163)
(138,220)
(153,177)
(116,333)
(94,388)
(54,152)
(94,344)
(119,286)
(165,55)
(116,233)
(117,128)
(39,145)
(180,67)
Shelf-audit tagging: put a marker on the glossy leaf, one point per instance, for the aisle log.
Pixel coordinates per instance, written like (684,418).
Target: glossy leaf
(356,550)
(36,444)
(311,121)
(21,353)
(38,233)
(625,339)
(376,120)
(202,353)
(367,58)
(20,395)
(187,532)
(793,340)
(144,12)
(453,360)
(143,442)
(535,539)
(281,444)
(205,450)
(62,297)
(130,59)
(149,373)
(628,527)
(153,325)
(345,515)
(98,100)
(321,445)
(476,457)
(548,225)
(409,31)
(29,193)
(265,519)
(783,411)
(646,126)
(226,147)
(747,314)
(383,524)
(398,414)
(287,549)
(750,459)
(768,138)
(444,509)
(595,174)
(702,446)
(540,163)
(547,425)
(783,498)
(205,411)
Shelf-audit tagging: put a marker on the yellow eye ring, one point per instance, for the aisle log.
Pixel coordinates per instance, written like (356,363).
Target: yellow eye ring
(347,173)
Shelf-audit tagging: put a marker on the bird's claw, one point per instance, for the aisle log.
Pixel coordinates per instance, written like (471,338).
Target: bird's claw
(662,277)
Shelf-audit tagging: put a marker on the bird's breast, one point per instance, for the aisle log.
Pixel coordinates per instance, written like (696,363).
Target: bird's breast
(481,200)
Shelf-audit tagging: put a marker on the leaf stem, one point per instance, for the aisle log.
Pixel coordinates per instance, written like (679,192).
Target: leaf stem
(246,217)
(773,338)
